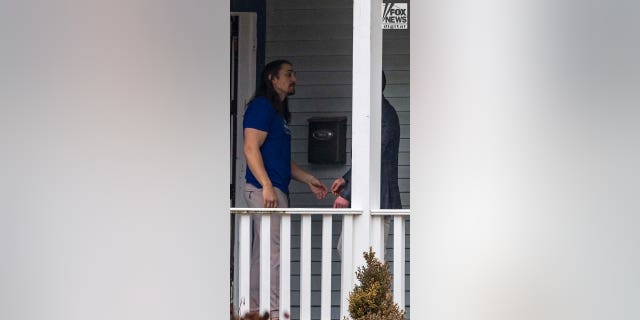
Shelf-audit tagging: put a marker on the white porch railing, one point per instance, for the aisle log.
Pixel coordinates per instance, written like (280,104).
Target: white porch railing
(241,294)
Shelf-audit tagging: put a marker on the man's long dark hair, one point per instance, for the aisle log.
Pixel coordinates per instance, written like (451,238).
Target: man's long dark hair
(265,89)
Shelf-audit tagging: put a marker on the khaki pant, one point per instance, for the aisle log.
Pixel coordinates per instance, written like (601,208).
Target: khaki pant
(254,199)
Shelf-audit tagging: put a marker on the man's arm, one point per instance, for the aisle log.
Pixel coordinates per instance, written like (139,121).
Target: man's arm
(341,187)
(346,192)
(390,132)
(317,187)
(253,140)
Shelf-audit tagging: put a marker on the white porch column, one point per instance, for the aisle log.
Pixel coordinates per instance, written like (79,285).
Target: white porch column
(367,78)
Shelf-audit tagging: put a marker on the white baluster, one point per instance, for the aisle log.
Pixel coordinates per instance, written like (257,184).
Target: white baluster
(398,261)
(347,265)
(265,263)
(244,263)
(305,267)
(236,262)
(377,236)
(285,265)
(325,310)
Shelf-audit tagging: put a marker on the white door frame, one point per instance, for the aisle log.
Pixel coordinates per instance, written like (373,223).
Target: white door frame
(247,44)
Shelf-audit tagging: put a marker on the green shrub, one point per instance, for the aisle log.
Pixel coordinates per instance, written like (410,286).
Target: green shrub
(372,298)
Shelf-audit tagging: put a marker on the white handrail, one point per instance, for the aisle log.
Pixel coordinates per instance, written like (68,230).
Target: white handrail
(390,212)
(296,211)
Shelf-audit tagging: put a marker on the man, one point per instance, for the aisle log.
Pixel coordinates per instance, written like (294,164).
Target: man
(267,148)
(389,190)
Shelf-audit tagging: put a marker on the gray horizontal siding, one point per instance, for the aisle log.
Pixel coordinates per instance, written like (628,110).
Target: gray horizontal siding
(334,47)
(343,91)
(338,104)
(301,118)
(301,131)
(391,62)
(312,32)
(305,78)
(301,158)
(302,145)
(303,17)
(306,4)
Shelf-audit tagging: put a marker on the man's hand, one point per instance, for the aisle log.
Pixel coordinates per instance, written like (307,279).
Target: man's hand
(341,203)
(337,186)
(269,198)
(317,187)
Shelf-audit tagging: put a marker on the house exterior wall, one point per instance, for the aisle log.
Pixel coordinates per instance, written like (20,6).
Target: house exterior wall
(316,36)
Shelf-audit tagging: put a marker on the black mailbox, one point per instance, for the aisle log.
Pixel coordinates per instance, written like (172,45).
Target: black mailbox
(327,140)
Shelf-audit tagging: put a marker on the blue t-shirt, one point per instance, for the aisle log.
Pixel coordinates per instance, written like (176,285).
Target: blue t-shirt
(276,149)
